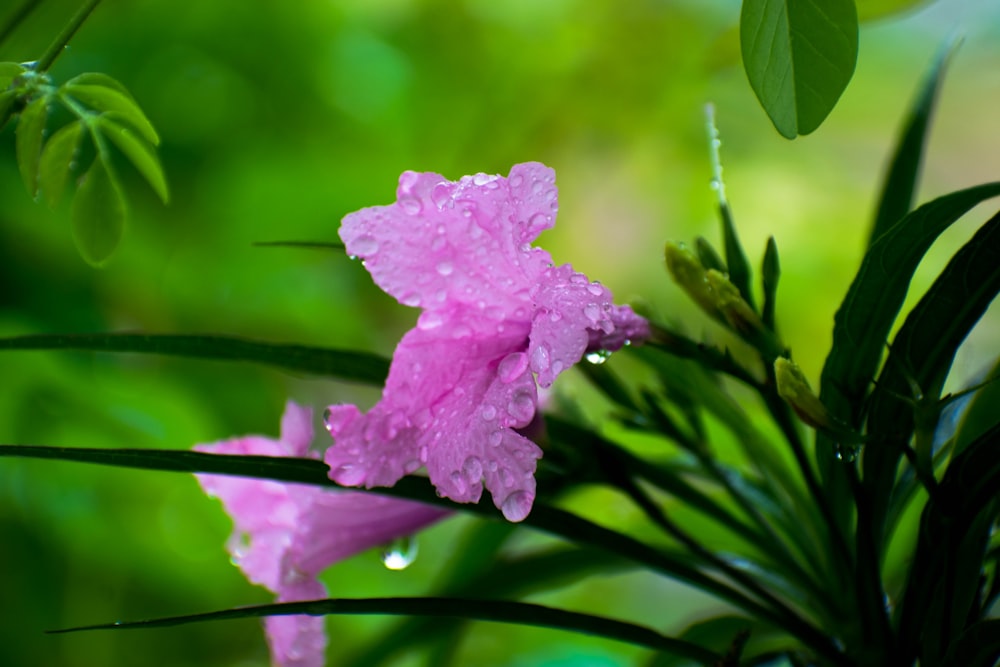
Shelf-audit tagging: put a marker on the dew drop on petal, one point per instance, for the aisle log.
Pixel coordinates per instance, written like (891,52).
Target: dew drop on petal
(441,196)
(349,475)
(496,437)
(540,359)
(592,312)
(516,180)
(411,466)
(411,299)
(488,412)
(364,246)
(429,320)
(400,553)
(521,407)
(473,469)
(595,289)
(459,481)
(445,268)
(512,367)
(597,356)
(411,205)
(506,478)
(516,506)
(539,220)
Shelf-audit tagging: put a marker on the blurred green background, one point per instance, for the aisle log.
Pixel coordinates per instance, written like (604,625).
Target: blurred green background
(279,118)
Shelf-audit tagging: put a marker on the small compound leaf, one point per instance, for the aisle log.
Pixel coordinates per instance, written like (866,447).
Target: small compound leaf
(28,144)
(105,99)
(99,79)
(98,214)
(799,56)
(137,150)
(57,160)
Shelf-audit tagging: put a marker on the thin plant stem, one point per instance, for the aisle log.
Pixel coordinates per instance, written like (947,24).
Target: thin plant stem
(59,44)
(17,18)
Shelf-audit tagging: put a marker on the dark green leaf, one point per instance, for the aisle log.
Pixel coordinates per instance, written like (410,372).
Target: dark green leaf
(98,214)
(720,632)
(862,324)
(112,100)
(8,99)
(736,259)
(978,646)
(799,56)
(922,352)
(30,131)
(57,160)
(8,72)
(501,611)
(982,413)
(901,178)
(140,153)
(354,366)
(708,256)
(770,272)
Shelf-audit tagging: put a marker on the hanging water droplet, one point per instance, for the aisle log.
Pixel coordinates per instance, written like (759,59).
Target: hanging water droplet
(441,196)
(539,220)
(349,475)
(516,506)
(400,553)
(512,367)
(364,246)
(327,419)
(845,453)
(597,356)
(411,299)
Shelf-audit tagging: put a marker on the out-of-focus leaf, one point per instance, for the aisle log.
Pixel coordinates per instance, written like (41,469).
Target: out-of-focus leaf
(98,214)
(137,150)
(708,256)
(57,160)
(112,100)
(770,272)
(736,259)
(978,646)
(8,72)
(922,352)
(875,9)
(719,633)
(7,100)
(799,57)
(99,79)
(348,365)
(28,143)
(501,611)
(318,245)
(903,173)
(982,413)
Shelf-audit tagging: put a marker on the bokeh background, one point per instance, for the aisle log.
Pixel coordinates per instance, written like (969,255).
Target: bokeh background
(279,118)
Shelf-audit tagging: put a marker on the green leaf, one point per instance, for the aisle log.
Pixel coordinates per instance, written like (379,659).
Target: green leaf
(869,10)
(770,272)
(799,56)
(28,144)
(736,259)
(8,72)
(501,611)
(922,352)
(318,245)
(862,324)
(720,632)
(113,100)
(57,160)
(98,214)
(138,151)
(982,413)
(708,256)
(977,646)
(7,101)
(901,178)
(353,366)
(99,79)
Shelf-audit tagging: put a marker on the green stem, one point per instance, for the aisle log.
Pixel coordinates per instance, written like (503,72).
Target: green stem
(501,611)
(59,44)
(18,17)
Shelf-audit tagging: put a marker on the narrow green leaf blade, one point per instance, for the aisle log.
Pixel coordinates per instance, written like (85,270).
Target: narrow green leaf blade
(770,272)
(982,413)
(501,611)
(98,214)
(354,366)
(896,199)
(57,160)
(113,100)
(799,56)
(140,153)
(28,141)
(862,324)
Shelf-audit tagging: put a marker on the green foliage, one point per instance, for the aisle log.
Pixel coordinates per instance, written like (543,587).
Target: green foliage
(799,57)
(98,214)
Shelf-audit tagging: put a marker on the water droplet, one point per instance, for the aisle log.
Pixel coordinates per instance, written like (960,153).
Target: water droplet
(364,246)
(485,179)
(540,359)
(445,268)
(539,220)
(506,478)
(459,481)
(597,356)
(846,453)
(536,187)
(407,180)
(557,367)
(400,553)
(592,312)
(491,465)
(512,367)
(411,205)
(440,296)
(578,279)
(429,320)
(595,289)
(441,196)
(516,180)
(336,419)
(349,475)
(496,437)
(411,299)
(522,407)
(516,506)
(473,469)
(488,412)
(411,466)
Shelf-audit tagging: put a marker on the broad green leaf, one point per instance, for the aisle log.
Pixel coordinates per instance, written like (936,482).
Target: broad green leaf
(500,611)
(863,321)
(98,214)
(875,9)
(112,100)
(901,178)
(28,144)
(348,365)
(57,160)
(799,56)
(137,150)
(922,352)
(770,273)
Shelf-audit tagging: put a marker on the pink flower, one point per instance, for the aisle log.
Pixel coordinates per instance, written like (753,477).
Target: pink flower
(495,313)
(286,534)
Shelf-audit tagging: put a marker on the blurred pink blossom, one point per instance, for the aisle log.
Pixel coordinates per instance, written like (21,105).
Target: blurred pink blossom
(286,534)
(496,313)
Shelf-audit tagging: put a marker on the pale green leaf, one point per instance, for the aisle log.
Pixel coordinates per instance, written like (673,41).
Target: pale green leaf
(28,144)
(140,153)
(57,160)
(799,56)
(98,214)
(105,99)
